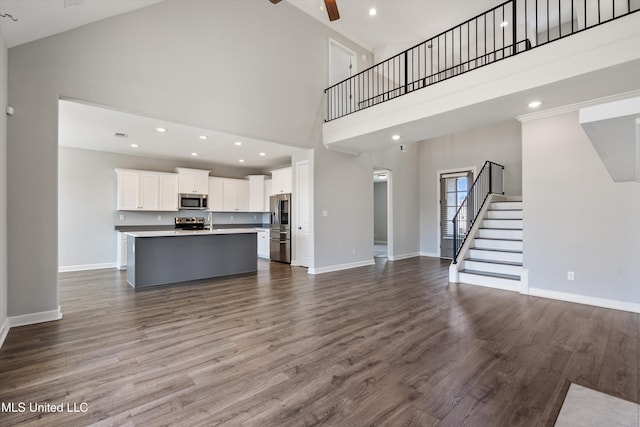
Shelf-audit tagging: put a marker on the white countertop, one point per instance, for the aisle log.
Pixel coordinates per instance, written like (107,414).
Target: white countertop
(170,233)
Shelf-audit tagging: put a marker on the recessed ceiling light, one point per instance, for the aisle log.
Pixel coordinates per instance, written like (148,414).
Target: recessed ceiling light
(194,154)
(241,160)
(134,145)
(373,11)
(504,24)
(203,137)
(535,104)
(238,143)
(263,154)
(161,130)
(395,137)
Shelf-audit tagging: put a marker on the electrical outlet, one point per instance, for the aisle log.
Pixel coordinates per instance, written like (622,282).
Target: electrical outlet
(325,213)
(231,217)
(571,275)
(121,217)
(159,217)
(353,252)
(255,217)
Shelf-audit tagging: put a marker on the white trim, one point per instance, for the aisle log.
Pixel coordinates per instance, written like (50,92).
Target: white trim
(380,242)
(4,330)
(585,299)
(403,256)
(575,107)
(439,173)
(66,268)
(430,254)
(524,281)
(31,318)
(339,267)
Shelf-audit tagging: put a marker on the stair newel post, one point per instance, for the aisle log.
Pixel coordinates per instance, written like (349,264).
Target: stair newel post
(455,239)
(490,179)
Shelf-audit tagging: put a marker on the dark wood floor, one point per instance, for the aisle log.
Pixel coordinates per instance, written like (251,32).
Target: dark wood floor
(392,344)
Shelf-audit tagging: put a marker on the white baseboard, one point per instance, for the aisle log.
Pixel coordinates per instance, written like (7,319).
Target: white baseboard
(380,242)
(584,299)
(4,330)
(338,267)
(430,254)
(83,267)
(31,318)
(403,256)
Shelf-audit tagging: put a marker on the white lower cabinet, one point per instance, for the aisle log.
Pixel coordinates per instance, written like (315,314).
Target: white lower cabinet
(121,251)
(263,244)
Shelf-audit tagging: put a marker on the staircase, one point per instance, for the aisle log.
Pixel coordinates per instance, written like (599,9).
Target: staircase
(495,255)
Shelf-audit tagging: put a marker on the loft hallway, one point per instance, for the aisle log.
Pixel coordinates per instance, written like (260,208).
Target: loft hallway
(586,65)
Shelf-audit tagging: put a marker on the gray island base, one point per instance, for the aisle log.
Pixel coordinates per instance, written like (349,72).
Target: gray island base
(161,258)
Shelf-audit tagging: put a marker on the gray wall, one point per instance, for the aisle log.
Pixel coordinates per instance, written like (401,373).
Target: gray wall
(187,62)
(380,212)
(3,182)
(87,202)
(500,143)
(404,196)
(575,217)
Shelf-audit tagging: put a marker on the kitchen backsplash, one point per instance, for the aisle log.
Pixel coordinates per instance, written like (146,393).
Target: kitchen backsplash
(168,218)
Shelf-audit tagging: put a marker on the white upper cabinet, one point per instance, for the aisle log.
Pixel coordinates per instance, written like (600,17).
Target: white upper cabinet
(128,190)
(193,181)
(236,195)
(168,192)
(228,195)
(216,194)
(146,190)
(281,181)
(267,195)
(256,193)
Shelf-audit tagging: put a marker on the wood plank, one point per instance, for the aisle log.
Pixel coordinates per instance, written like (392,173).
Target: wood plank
(389,344)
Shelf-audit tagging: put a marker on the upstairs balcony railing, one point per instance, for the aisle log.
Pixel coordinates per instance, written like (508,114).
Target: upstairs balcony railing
(504,31)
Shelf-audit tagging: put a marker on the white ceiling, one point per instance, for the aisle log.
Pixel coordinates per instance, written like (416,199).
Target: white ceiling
(43,18)
(397,25)
(92,128)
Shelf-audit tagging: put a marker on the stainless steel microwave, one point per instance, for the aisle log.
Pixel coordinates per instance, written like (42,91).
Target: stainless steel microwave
(193,201)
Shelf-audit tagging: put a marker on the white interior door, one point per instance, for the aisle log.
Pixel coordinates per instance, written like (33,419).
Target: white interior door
(303,213)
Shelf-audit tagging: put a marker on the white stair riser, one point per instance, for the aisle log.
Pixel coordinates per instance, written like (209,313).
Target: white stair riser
(503,223)
(504,214)
(496,255)
(515,270)
(506,205)
(498,244)
(490,282)
(499,234)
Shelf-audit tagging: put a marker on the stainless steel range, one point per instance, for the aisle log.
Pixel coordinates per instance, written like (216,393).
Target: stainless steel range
(190,223)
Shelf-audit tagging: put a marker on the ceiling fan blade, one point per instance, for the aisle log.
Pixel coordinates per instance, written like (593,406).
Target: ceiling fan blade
(275,1)
(332,9)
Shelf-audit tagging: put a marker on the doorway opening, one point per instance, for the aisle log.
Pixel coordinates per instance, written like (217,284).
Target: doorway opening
(453,188)
(381,218)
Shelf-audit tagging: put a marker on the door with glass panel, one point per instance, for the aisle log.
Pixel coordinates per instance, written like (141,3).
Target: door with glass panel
(453,190)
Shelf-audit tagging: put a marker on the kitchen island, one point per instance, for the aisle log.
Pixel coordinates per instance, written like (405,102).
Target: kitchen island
(172,256)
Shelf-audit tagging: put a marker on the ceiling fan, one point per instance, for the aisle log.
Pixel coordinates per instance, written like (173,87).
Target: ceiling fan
(332,8)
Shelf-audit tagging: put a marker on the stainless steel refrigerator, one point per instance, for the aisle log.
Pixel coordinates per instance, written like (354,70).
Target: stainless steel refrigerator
(280,249)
